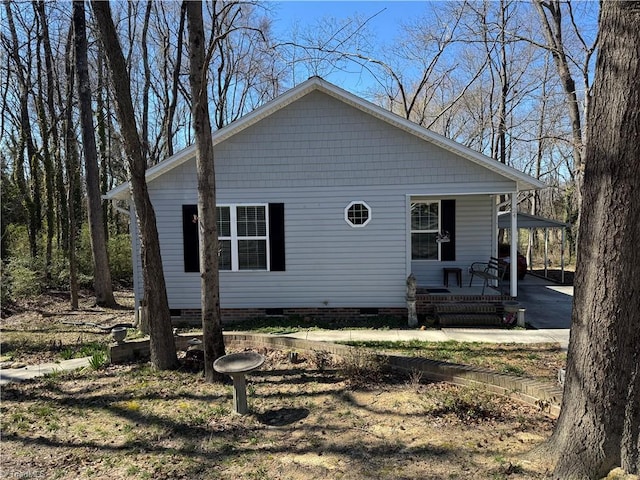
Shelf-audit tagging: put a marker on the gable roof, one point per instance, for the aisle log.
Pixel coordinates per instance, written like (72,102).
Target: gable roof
(523,181)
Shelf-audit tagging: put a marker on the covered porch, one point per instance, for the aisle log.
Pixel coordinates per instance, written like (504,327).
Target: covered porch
(446,235)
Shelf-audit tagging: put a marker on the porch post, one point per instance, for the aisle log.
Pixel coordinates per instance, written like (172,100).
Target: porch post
(562,256)
(514,245)
(546,252)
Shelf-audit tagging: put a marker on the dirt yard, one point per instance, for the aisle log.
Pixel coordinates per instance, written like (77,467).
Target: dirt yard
(317,418)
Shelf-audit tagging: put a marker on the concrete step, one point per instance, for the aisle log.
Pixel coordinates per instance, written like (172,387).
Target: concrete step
(467,308)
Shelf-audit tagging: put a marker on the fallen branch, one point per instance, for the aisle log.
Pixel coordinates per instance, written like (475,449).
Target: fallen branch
(106,328)
(78,312)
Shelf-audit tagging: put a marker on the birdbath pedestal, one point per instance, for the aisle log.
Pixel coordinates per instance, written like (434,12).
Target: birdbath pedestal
(236,365)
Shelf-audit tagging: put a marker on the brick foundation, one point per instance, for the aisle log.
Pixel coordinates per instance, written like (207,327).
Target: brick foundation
(231,315)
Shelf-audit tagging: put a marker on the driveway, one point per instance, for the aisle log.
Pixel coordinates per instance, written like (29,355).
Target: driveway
(548,305)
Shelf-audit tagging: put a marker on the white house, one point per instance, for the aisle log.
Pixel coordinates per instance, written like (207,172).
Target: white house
(326,203)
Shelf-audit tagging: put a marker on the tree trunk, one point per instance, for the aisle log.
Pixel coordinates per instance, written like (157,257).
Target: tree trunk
(162,345)
(47,144)
(73,174)
(101,274)
(598,427)
(175,81)
(101,130)
(213,340)
(146,85)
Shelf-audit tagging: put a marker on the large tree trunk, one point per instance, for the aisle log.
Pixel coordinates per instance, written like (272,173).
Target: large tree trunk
(208,233)
(101,274)
(163,351)
(598,427)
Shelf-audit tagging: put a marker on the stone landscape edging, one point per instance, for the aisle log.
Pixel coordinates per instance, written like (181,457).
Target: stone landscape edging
(543,395)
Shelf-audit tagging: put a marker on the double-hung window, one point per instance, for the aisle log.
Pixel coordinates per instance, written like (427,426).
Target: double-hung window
(425,226)
(243,237)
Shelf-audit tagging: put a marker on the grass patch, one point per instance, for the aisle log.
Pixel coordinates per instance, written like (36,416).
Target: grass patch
(90,349)
(535,360)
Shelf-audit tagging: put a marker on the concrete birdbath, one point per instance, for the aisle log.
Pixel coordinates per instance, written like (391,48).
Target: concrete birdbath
(237,365)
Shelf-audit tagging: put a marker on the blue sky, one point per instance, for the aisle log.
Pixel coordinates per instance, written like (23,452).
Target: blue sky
(385,26)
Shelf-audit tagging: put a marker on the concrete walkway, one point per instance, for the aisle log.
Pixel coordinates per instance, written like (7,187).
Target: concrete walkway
(489,335)
(9,375)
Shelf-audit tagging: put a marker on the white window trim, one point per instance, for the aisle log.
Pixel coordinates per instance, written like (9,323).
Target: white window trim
(412,231)
(346,213)
(234,238)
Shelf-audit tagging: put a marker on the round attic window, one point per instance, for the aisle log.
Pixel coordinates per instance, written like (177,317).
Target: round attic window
(357,214)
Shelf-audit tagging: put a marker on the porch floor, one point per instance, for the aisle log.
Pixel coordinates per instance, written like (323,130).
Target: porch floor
(473,293)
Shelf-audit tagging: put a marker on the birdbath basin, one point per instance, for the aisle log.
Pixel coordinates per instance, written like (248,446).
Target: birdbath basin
(237,365)
(119,334)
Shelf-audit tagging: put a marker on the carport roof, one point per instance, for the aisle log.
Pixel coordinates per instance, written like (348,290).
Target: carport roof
(526,220)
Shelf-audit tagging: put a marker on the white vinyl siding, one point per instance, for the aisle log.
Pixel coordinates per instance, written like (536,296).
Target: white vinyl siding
(316,156)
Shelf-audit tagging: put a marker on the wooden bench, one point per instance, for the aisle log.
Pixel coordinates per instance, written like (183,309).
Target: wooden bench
(493,270)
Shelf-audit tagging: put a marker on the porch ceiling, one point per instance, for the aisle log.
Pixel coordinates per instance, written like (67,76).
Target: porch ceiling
(526,220)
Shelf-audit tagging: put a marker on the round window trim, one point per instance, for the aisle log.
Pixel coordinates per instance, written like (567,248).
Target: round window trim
(357,214)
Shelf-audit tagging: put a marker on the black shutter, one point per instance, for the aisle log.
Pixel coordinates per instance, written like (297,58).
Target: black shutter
(190,238)
(448,217)
(276,237)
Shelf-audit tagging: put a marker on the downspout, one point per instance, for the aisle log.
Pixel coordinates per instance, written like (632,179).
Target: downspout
(120,209)
(514,245)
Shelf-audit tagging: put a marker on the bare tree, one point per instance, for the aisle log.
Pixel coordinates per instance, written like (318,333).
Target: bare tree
(72,165)
(171,98)
(553,27)
(207,216)
(101,273)
(48,129)
(599,424)
(163,352)
(30,191)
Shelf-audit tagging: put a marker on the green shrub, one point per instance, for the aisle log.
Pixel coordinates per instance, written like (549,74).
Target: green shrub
(21,278)
(119,249)
(98,360)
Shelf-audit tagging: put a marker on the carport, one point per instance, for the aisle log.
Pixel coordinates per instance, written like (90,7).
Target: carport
(531,222)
